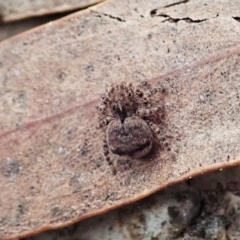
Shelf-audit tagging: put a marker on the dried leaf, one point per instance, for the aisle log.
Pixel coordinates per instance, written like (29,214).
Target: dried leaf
(52,170)
(13,10)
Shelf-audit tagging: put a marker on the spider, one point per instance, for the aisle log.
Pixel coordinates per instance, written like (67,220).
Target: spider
(124,113)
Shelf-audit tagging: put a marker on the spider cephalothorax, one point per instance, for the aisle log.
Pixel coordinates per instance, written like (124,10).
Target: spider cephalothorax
(119,102)
(124,110)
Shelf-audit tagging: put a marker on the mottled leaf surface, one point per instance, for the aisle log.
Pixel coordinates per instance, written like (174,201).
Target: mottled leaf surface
(52,169)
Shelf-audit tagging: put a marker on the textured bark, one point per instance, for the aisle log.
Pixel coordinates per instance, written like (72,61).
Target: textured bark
(52,170)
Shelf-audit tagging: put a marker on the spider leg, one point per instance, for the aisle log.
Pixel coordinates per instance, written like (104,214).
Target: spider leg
(150,92)
(141,88)
(104,122)
(164,135)
(154,127)
(101,108)
(161,136)
(144,91)
(107,156)
(158,131)
(146,112)
(148,95)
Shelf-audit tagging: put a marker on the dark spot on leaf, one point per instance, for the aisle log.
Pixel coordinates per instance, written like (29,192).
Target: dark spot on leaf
(10,167)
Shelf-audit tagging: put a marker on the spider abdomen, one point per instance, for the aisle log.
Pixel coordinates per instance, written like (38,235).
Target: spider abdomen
(133,137)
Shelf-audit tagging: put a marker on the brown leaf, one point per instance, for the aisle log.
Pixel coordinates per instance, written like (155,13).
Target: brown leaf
(52,170)
(13,10)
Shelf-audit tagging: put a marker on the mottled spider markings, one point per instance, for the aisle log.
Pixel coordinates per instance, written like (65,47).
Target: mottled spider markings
(126,113)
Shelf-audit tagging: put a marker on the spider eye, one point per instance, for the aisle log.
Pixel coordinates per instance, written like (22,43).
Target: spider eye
(139,93)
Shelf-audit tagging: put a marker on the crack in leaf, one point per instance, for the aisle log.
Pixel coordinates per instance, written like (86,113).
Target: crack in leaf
(236,18)
(154,11)
(168,18)
(109,16)
(176,3)
(175,20)
(113,17)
